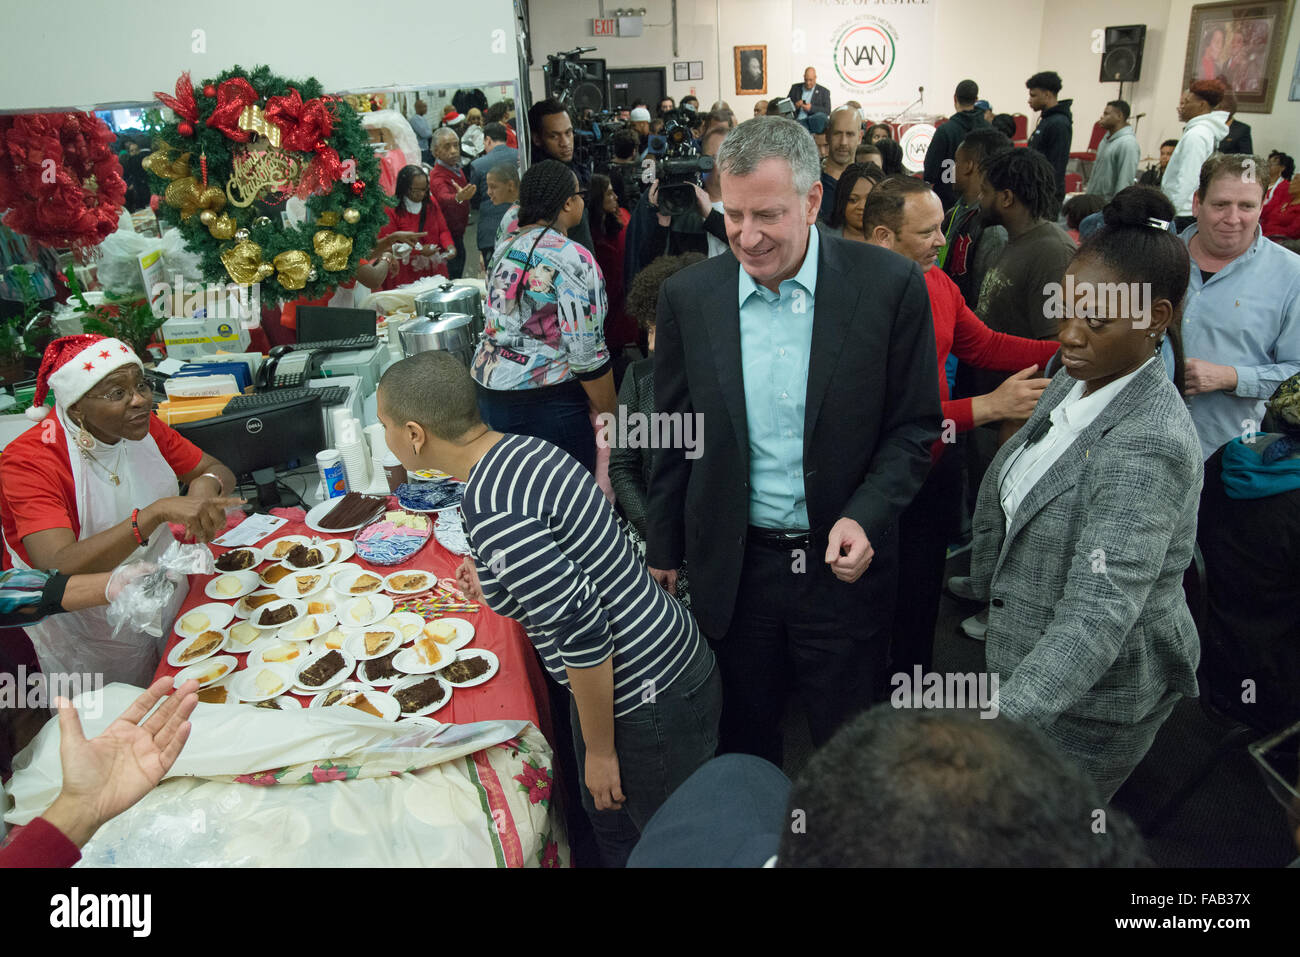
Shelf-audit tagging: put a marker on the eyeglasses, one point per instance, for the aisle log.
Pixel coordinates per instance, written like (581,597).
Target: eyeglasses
(120,395)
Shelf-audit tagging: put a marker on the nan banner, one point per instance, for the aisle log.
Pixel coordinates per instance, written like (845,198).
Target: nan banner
(877,52)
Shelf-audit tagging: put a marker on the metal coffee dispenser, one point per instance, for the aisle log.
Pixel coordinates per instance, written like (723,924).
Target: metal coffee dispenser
(453,297)
(448,332)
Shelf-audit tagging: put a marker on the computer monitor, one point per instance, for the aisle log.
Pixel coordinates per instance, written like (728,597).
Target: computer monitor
(321,323)
(260,442)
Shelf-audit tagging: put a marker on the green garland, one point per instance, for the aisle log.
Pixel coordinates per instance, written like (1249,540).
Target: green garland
(348,138)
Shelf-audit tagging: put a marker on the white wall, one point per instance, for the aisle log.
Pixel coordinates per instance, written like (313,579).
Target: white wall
(79,53)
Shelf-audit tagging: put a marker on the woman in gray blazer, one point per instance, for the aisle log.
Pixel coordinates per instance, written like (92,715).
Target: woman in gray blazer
(1086,520)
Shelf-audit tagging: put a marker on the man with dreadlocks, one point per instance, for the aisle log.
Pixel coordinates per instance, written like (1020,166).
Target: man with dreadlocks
(544,360)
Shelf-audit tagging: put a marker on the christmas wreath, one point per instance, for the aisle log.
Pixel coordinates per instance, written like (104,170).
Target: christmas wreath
(60,179)
(238,149)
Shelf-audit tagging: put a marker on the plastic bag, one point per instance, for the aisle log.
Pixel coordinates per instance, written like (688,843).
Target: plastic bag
(140,602)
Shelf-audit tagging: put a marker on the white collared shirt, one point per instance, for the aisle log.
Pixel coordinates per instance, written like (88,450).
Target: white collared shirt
(1074,414)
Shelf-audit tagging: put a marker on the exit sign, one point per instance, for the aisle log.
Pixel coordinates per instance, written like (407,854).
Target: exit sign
(603,28)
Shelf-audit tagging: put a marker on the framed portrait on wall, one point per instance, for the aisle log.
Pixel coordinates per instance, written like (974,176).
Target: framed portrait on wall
(1241,44)
(751,70)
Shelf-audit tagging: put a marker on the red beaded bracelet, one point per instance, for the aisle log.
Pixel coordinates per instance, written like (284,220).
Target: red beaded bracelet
(135,527)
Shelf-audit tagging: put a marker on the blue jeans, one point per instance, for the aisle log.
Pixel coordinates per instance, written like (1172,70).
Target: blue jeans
(659,745)
(563,419)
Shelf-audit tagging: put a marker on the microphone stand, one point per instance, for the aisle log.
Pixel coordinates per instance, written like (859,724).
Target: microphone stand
(907,109)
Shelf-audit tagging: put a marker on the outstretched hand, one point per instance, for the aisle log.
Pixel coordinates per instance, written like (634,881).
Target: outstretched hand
(105,775)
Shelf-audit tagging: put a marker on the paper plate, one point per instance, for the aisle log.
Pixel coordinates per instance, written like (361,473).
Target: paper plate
(464,632)
(274,646)
(291,585)
(356,643)
(190,623)
(340,676)
(207,672)
(324,508)
(298,608)
(241,607)
(385,704)
(245,684)
(285,702)
(427,709)
(494,665)
(241,636)
(346,577)
(381,606)
(306,628)
(426,581)
(276,550)
(175,655)
(409,660)
(251,549)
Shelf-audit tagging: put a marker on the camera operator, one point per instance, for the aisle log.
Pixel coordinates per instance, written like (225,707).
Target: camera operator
(679,230)
(625,167)
(552,132)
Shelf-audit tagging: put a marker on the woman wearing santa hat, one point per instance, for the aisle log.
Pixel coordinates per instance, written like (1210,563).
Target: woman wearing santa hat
(94,485)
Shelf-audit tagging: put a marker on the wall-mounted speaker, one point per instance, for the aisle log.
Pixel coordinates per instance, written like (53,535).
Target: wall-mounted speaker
(1122,59)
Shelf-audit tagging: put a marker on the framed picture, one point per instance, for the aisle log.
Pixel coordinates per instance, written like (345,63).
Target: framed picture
(681,71)
(751,70)
(697,69)
(1295,78)
(1241,44)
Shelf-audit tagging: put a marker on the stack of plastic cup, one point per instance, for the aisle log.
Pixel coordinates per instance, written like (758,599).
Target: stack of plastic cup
(356,457)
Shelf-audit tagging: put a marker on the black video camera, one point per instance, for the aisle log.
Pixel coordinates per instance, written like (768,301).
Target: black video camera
(565,72)
(681,168)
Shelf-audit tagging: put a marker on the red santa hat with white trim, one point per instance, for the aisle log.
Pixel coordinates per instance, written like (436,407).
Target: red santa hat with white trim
(73,365)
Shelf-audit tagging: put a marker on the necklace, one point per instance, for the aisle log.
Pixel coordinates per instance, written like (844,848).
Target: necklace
(113,476)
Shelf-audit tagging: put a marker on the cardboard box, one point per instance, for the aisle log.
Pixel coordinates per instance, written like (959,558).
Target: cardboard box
(195,338)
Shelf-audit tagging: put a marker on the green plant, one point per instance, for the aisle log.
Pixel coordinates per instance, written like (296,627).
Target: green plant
(129,318)
(16,340)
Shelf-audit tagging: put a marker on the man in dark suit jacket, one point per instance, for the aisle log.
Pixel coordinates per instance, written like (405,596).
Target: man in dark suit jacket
(810,359)
(809,97)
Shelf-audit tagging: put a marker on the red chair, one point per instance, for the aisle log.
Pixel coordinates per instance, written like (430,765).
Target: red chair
(1073,183)
(1090,154)
(1022,130)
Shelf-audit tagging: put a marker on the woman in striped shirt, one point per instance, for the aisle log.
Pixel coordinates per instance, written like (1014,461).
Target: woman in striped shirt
(547,551)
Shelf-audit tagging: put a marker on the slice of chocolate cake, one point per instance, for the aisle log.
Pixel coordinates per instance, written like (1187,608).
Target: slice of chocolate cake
(322,670)
(300,556)
(354,509)
(235,560)
(419,696)
(381,669)
(277,616)
(466,669)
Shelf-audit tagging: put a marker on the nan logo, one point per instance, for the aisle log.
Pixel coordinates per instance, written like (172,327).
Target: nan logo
(865,49)
(103,910)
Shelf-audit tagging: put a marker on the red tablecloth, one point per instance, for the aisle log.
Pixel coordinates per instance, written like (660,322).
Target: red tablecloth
(516,692)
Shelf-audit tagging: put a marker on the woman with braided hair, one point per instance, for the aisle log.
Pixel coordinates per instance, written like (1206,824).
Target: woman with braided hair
(417,212)
(543,363)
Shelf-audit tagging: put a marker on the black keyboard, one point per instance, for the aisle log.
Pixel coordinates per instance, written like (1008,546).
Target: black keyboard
(329,395)
(337,345)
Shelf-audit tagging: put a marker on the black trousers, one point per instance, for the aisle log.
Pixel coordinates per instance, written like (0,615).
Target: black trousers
(796,626)
(456,265)
(925,530)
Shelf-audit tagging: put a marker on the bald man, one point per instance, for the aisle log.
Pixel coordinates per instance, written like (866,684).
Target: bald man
(843,134)
(809,98)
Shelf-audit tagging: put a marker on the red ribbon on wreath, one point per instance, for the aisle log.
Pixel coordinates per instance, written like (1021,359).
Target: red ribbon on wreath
(60,179)
(305,125)
(233,97)
(183,103)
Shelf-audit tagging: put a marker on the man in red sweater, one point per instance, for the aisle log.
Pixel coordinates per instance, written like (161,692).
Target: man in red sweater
(905,215)
(452,192)
(105,775)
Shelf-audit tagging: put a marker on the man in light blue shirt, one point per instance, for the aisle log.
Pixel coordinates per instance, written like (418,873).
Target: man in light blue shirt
(1117,154)
(423,134)
(775,339)
(1241,321)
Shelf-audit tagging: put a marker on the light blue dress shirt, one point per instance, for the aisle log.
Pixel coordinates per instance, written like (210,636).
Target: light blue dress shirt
(423,134)
(1247,316)
(775,344)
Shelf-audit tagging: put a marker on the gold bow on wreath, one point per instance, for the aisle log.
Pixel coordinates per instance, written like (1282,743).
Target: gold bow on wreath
(185,193)
(243,262)
(333,249)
